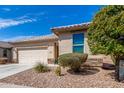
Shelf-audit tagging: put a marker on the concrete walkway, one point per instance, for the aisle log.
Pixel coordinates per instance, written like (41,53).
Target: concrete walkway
(4,85)
(11,69)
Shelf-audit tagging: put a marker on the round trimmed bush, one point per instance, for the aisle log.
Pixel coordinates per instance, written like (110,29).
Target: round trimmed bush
(72,60)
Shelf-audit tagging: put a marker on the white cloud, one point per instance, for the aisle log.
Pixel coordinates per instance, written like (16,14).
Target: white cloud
(6,9)
(4,23)
(23,17)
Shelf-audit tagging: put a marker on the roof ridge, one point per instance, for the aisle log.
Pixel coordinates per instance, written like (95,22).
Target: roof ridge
(71,25)
(4,41)
(5,44)
(43,37)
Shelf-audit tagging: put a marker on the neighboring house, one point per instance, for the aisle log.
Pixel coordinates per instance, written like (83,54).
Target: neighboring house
(6,50)
(45,49)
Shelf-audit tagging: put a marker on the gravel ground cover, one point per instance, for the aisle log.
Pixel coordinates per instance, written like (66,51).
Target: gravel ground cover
(87,78)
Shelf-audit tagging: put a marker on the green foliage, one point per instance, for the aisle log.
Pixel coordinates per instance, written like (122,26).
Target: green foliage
(41,68)
(75,64)
(72,60)
(56,61)
(113,59)
(84,57)
(58,71)
(104,31)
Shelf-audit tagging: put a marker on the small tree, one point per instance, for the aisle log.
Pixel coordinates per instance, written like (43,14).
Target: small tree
(105,30)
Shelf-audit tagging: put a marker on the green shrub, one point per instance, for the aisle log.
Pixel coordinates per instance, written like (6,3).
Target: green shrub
(84,57)
(72,60)
(113,59)
(75,65)
(58,71)
(56,61)
(41,68)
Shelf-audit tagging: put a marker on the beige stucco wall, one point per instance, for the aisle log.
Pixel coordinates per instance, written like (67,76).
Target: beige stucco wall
(49,45)
(66,41)
(14,54)
(86,46)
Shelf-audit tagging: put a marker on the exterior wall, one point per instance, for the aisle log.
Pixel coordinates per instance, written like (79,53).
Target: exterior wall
(1,52)
(49,45)
(14,54)
(9,55)
(86,46)
(51,51)
(66,42)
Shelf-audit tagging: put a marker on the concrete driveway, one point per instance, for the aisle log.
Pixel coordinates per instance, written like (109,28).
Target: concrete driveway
(11,69)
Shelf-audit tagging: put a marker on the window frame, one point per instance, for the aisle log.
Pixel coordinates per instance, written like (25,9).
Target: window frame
(81,44)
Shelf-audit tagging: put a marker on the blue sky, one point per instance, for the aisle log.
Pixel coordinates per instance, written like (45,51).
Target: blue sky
(18,22)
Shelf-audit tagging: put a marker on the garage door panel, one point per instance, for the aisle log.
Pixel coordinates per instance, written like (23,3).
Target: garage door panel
(32,56)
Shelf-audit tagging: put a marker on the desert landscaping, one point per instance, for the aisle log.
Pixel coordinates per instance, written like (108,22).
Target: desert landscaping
(94,77)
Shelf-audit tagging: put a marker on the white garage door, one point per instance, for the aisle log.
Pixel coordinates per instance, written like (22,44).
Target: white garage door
(32,56)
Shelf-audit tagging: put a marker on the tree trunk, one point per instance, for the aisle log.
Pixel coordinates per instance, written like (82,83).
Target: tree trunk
(116,59)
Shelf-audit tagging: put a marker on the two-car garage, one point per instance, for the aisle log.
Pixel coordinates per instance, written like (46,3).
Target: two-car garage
(32,55)
(41,49)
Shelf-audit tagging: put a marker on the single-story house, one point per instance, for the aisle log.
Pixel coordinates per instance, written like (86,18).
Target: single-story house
(45,49)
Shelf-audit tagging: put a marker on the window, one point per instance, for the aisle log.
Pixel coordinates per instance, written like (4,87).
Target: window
(78,43)
(5,53)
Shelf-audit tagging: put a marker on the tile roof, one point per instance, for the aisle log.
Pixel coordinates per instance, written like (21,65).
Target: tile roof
(70,27)
(5,45)
(37,38)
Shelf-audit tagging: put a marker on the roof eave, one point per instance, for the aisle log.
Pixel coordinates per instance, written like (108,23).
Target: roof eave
(34,41)
(58,31)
